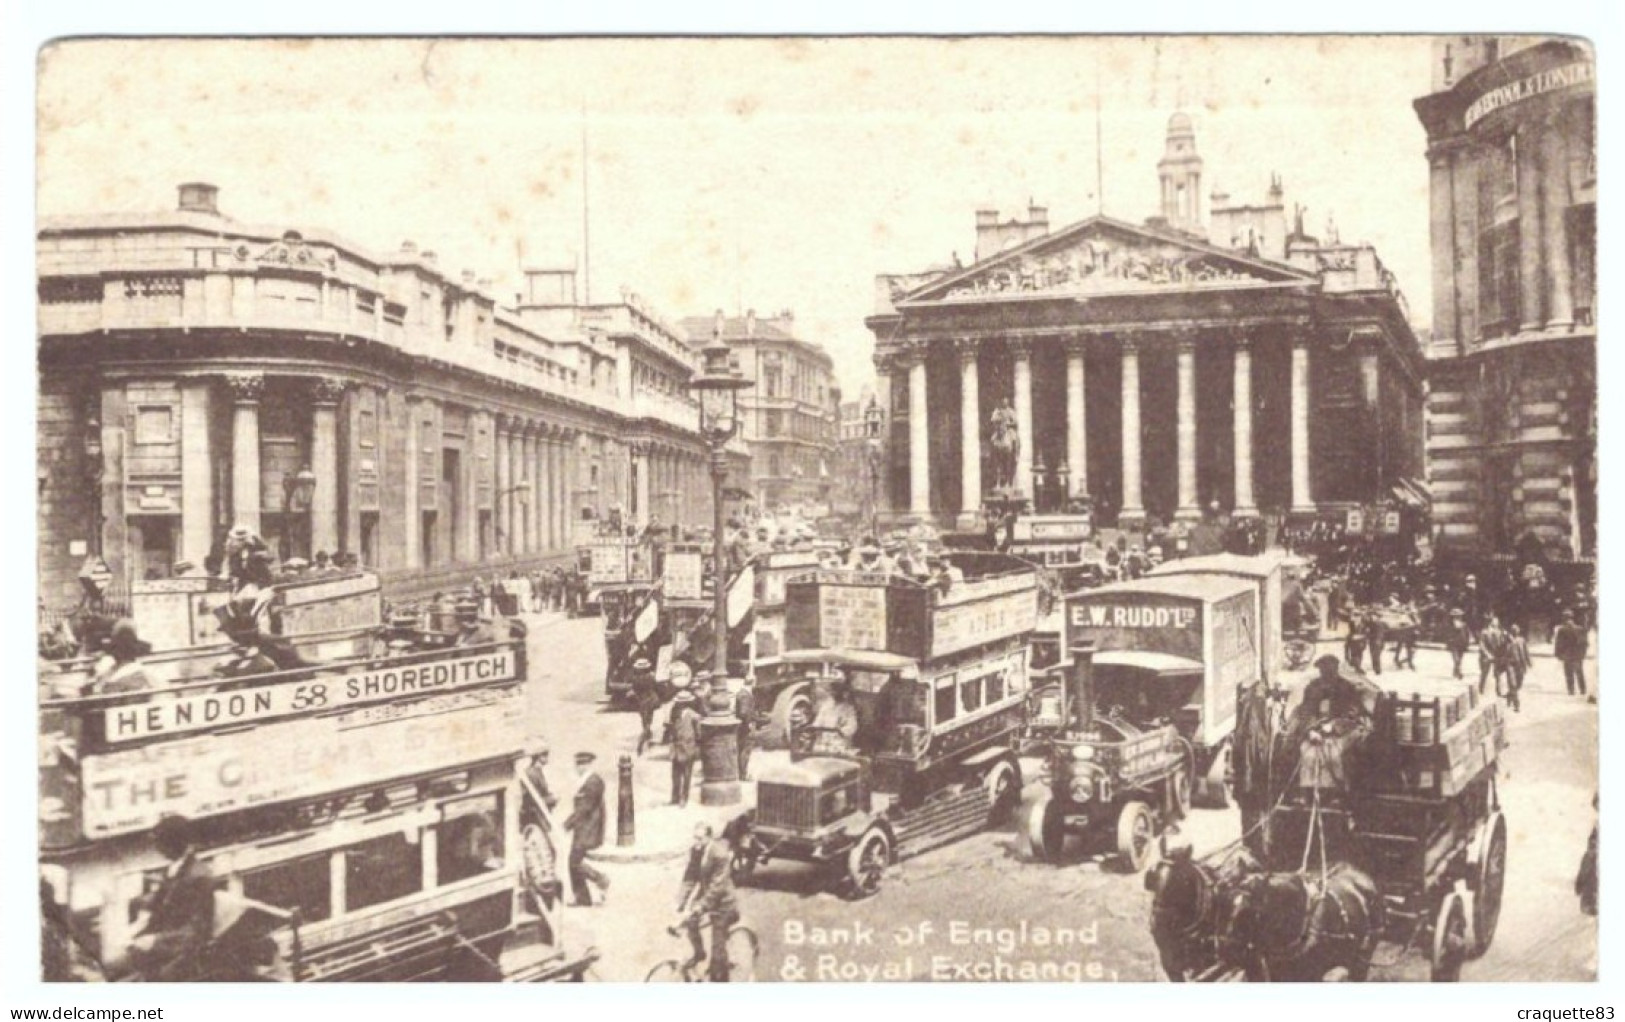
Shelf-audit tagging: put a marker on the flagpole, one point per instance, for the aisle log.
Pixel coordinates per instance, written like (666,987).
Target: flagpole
(1100,162)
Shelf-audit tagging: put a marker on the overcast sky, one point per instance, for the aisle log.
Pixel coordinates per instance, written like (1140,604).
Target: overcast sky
(766,174)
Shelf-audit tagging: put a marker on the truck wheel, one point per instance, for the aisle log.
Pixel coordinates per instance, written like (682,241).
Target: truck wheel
(1136,835)
(1003,784)
(1043,828)
(793,709)
(866,863)
(1180,783)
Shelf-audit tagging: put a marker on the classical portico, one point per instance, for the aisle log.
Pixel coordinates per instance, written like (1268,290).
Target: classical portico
(1156,373)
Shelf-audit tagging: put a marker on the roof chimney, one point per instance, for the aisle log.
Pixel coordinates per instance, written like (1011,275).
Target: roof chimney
(750,322)
(199,197)
(429,258)
(409,248)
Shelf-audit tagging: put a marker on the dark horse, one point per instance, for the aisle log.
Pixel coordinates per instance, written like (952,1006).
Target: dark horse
(1186,895)
(1291,927)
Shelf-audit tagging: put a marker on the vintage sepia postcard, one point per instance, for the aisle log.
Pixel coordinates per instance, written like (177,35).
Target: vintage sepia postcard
(817,509)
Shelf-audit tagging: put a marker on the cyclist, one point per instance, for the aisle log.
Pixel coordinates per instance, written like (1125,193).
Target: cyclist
(707,896)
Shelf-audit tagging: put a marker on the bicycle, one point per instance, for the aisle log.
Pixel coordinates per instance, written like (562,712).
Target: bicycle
(742,948)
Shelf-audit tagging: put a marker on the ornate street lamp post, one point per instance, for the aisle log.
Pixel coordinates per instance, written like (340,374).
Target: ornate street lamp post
(718,386)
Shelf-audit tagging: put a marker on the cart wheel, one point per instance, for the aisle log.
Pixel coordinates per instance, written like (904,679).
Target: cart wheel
(1043,828)
(1003,784)
(866,863)
(1488,883)
(1449,939)
(792,710)
(1136,836)
(1181,784)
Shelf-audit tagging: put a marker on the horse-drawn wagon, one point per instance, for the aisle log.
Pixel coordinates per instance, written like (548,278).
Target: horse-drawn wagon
(1381,826)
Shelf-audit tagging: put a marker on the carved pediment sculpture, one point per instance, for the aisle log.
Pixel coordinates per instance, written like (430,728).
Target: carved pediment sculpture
(1102,258)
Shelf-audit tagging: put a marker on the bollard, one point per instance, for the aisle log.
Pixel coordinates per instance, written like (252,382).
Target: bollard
(625,815)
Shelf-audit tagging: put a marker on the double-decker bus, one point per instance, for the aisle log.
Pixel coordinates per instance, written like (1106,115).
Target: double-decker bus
(368,801)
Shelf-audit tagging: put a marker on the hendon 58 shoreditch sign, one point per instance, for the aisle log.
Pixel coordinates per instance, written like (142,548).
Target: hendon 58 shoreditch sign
(1579,73)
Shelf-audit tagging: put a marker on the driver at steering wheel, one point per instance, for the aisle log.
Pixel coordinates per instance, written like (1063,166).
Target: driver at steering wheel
(835,721)
(707,896)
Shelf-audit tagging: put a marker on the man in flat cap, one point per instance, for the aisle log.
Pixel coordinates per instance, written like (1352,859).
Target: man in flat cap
(586,827)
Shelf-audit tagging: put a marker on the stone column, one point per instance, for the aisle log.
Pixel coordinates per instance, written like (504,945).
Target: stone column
(1189,507)
(1302,499)
(198,527)
(1077,410)
(1021,353)
(919,437)
(640,458)
(324,462)
(246,391)
(1242,397)
(1133,507)
(970,430)
(532,504)
(538,488)
(1554,158)
(571,476)
(503,513)
(412,518)
(1530,283)
(517,477)
(548,486)
(566,487)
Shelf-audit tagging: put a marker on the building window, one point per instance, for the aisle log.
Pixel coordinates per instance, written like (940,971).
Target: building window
(386,868)
(1498,274)
(155,424)
(773,424)
(367,428)
(468,841)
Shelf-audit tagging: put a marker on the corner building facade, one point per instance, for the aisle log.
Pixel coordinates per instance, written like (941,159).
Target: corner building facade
(1511,447)
(788,417)
(192,368)
(1195,360)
